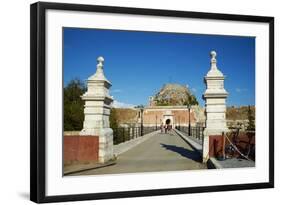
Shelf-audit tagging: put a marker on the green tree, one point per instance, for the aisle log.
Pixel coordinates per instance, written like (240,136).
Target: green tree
(139,106)
(73,105)
(191,100)
(113,120)
(251,119)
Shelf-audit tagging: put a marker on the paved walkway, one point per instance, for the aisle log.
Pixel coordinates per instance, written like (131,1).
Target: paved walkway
(161,152)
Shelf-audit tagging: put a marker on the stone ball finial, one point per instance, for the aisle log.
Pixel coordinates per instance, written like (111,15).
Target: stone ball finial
(213,60)
(100,60)
(213,54)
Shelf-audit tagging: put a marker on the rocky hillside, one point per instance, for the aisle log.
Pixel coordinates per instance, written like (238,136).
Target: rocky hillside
(127,115)
(239,113)
(174,94)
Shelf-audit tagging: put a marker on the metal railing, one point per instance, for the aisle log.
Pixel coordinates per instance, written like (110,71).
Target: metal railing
(195,132)
(240,144)
(123,134)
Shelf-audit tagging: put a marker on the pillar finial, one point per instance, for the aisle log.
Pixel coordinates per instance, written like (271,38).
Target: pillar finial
(99,74)
(100,60)
(213,55)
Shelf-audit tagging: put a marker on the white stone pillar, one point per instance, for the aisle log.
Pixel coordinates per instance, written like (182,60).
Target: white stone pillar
(215,104)
(97,110)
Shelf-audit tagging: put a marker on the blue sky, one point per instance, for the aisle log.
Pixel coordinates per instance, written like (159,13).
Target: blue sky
(139,63)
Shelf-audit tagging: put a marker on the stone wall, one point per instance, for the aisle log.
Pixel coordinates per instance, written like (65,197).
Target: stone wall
(179,116)
(153,115)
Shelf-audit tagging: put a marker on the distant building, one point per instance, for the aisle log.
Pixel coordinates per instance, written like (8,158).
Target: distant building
(166,107)
(152,101)
(172,115)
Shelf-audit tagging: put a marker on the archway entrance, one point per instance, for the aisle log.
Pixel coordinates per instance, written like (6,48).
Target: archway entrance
(168,118)
(168,121)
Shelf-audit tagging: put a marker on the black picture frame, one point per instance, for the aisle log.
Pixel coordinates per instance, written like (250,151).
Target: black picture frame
(38,101)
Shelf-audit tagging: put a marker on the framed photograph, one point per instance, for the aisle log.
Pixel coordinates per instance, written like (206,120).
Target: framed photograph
(129,102)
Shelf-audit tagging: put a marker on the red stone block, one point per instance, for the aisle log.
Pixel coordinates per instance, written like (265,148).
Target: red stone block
(216,145)
(80,148)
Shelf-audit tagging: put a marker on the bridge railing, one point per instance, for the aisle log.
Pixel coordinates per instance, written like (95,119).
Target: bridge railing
(196,132)
(123,134)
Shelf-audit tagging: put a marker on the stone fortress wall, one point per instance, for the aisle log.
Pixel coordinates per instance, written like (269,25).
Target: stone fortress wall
(130,117)
(178,116)
(155,115)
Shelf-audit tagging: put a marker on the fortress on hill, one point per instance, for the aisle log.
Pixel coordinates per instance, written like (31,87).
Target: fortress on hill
(168,106)
(174,104)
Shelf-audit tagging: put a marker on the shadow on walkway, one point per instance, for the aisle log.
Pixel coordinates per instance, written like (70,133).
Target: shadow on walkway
(183,152)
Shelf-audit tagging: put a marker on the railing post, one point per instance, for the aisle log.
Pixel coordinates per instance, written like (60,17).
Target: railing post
(141,121)
(123,133)
(134,132)
(189,124)
(128,134)
(223,145)
(115,135)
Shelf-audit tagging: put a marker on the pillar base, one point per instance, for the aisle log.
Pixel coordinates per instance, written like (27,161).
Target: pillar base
(105,135)
(218,133)
(205,153)
(105,145)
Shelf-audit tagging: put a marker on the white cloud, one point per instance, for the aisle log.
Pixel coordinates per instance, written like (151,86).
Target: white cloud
(118,104)
(239,90)
(116,91)
(194,90)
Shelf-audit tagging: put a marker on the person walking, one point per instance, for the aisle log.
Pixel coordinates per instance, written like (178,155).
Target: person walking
(169,128)
(162,127)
